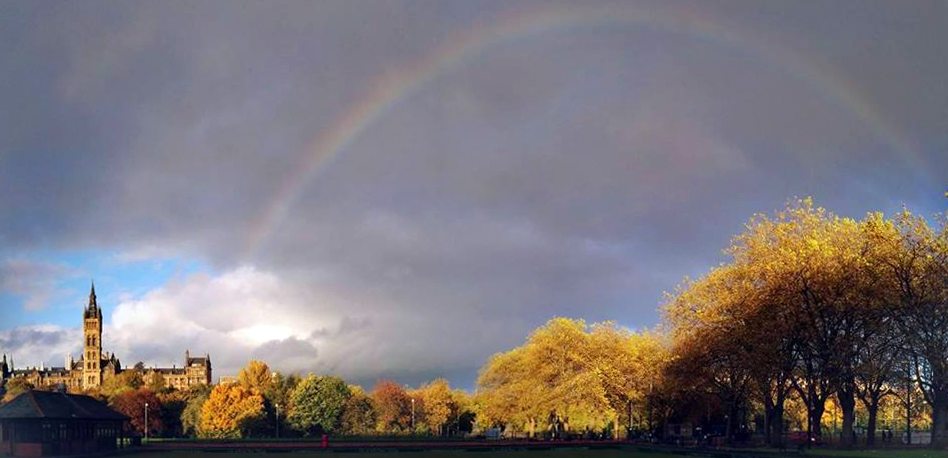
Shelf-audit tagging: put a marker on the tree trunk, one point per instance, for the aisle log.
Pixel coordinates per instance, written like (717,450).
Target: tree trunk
(939,417)
(776,425)
(873,409)
(768,413)
(816,416)
(847,402)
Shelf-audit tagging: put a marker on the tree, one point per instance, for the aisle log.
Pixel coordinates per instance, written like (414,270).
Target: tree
(191,416)
(231,412)
(256,376)
(358,417)
(915,256)
(124,381)
(132,403)
(567,377)
(15,387)
(438,405)
(173,403)
(392,407)
(318,404)
(278,396)
(156,382)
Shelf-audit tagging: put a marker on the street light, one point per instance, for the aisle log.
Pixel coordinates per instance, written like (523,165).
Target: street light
(413,415)
(146,422)
(278,420)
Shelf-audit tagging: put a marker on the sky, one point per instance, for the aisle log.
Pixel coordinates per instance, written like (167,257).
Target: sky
(401,189)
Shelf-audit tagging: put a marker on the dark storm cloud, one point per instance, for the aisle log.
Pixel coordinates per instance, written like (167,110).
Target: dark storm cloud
(579,171)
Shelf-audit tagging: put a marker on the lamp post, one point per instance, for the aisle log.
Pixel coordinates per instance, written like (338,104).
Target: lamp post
(146,422)
(651,429)
(278,420)
(413,415)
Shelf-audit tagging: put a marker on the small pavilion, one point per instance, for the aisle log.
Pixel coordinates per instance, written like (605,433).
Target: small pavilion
(40,423)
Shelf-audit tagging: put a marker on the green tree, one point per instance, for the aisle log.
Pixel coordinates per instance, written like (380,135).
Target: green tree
(124,381)
(318,404)
(191,416)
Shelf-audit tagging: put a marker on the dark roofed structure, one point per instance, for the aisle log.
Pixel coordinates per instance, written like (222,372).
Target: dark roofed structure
(40,423)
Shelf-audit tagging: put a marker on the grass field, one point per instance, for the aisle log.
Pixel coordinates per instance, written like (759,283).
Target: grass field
(565,453)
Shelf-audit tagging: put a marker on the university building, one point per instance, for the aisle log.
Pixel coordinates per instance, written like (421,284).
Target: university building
(95,367)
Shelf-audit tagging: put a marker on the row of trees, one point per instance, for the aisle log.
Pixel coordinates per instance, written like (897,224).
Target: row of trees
(267,403)
(816,308)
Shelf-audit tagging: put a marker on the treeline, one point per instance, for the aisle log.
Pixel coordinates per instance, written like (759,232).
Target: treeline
(814,309)
(263,403)
(813,319)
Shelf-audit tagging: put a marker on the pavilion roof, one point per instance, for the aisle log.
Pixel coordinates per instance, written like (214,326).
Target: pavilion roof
(57,406)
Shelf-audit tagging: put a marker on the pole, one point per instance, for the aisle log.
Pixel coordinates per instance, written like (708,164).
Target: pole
(651,428)
(146,422)
(630,414)
(908,412)
(413,415)
(278,420)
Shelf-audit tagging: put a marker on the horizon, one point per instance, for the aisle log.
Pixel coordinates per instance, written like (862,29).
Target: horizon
(400,190)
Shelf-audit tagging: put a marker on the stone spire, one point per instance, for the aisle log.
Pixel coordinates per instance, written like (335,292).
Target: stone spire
(92,302)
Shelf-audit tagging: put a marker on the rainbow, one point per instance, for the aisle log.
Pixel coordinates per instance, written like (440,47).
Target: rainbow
(395,87)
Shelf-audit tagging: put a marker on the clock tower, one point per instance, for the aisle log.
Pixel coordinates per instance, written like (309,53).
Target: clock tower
(92,350)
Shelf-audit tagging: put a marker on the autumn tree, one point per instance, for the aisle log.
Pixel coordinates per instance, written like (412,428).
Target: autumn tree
(566,377)
(915,256)
(133,403)
(438,405)
(256,376)
(15,387)
(392,407)
(231,412)
(358,416)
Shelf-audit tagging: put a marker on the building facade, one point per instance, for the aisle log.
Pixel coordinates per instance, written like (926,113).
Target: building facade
(96,367)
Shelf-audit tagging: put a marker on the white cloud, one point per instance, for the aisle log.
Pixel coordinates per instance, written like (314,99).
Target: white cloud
(39,345)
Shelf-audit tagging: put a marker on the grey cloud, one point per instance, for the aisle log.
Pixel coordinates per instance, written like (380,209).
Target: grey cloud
(577,171)
(35,281)
(36,345)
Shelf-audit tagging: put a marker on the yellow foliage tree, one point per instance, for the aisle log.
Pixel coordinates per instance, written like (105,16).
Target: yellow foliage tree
(231,411)
(256,376)
(568,377)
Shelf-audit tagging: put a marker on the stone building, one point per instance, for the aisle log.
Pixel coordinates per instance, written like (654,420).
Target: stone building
(96,367)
